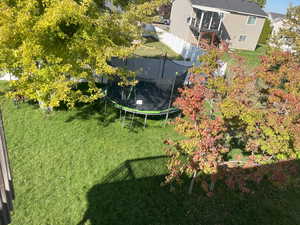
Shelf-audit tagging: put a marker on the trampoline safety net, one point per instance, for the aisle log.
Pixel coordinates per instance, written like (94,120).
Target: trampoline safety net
(156,90)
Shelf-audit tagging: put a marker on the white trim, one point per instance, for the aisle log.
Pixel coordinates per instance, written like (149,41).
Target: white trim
(210,9)
(226,11)
(251,14)
(201,21)
(211,20)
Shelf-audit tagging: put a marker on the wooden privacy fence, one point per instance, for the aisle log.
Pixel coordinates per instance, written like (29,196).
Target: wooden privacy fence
(6,182)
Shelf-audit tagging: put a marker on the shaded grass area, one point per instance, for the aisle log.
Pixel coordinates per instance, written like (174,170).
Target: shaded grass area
(132,194)
(155,49)
(252,57)
(81,167)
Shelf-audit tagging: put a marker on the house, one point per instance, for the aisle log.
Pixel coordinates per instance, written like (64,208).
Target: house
(238,22)
(277,23)
(277,20)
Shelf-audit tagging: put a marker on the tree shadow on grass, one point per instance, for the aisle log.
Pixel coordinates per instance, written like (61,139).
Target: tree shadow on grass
(102,111)
(2,93)
(106,113)
(151,39)
(132,194)
(136,123)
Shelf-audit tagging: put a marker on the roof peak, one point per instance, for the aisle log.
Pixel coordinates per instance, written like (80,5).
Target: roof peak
(275,15)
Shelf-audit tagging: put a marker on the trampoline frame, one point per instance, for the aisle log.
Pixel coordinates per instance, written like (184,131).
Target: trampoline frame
(146,113)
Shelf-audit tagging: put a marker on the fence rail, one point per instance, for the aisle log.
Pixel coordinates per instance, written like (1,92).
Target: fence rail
(6,182)
(7,76)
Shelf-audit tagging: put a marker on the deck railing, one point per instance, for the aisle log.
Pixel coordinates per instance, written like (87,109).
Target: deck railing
(6,182)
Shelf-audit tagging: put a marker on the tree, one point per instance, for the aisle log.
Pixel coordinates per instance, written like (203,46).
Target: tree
(50,45)
(266,32)
(165,10)
(254,116)
(205,144)
(261,3)
(291,29)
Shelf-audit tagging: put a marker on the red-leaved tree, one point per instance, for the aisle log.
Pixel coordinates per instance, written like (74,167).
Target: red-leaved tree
(236,127)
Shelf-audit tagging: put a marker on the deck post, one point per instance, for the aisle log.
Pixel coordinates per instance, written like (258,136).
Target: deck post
(211,20)
(200,26)
(214,38)
(201,20)
(221,21)
(191,19)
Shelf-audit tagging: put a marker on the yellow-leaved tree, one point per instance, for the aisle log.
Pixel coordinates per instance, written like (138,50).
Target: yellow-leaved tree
(50,44)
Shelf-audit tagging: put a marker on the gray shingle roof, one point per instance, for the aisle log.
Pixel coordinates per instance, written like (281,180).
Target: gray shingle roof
(276,16)
(241,6)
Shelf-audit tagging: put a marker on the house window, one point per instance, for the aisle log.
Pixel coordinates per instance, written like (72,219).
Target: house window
(242,38)
(251,20)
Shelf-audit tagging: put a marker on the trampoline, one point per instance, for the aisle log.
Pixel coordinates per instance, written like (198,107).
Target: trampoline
(157,85)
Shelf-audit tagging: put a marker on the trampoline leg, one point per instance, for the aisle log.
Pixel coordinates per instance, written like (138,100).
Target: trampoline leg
(145,121)
(124,118)
(105,105)
(166,120)
(132,118)
(120,114)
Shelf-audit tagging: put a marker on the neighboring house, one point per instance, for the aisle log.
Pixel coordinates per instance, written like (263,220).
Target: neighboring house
(239,22)
(276,21)
(110,5)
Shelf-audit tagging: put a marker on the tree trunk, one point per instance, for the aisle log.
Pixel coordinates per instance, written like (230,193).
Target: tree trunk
(192,183)
(44,107)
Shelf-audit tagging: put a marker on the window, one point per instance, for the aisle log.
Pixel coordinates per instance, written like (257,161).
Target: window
(243,38)
(251,20)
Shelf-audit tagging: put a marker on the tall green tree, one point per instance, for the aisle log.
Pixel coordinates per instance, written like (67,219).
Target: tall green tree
(261,3)
(266,32)
(51,44)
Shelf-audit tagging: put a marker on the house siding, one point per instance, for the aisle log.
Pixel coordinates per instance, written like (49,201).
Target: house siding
(181,11)
(236,25)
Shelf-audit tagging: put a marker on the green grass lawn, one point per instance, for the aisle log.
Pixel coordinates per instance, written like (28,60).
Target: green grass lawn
(252,57)
(82,168)
(156,49)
